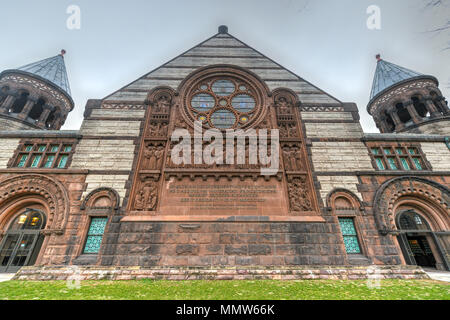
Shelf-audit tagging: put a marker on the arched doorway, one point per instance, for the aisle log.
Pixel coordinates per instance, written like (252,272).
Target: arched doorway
(22,242)
(416,240)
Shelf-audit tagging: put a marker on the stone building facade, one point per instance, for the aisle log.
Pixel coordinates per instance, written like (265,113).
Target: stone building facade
(110,195)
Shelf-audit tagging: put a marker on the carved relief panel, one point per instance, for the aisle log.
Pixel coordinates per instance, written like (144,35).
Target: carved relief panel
(222,99)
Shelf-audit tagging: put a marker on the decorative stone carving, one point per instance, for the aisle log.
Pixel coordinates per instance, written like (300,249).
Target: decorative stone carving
(157,130)
(292,157)
(299,197)
(146,198)
(154,155)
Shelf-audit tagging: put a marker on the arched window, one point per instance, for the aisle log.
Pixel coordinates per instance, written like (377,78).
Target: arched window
(411,220)
(346,206)
(20,102)
(37,109)
(22,242)
(403,113)
(420,107)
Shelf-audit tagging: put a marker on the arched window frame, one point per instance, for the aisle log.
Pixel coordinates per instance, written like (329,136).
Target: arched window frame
(355,212)
(92,212)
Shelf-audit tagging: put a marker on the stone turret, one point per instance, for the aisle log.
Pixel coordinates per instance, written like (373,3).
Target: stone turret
(35,96)
(405,101)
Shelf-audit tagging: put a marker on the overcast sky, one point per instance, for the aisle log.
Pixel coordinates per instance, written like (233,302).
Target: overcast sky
(327,42)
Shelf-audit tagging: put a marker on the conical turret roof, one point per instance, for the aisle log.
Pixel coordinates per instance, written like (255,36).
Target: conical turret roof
(388,74)
(52,69)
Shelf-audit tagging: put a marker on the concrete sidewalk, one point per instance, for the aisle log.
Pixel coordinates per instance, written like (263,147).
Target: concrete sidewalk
(438,275)
(6,276)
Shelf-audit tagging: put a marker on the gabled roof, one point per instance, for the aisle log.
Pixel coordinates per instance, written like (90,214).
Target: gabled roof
(52,69)
(388,74)
(221,49)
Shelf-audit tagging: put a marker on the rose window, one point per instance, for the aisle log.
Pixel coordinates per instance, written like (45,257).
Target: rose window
(223,103)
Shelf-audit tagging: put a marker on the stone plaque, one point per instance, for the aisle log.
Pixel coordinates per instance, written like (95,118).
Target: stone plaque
(223,197)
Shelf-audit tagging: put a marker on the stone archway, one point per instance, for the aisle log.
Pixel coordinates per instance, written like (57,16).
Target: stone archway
(39,193)
(425,199)
(35,188)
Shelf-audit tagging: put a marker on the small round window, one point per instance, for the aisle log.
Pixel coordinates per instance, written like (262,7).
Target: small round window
(223,103)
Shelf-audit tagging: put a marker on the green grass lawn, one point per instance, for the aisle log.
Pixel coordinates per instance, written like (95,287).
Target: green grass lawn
(226,290)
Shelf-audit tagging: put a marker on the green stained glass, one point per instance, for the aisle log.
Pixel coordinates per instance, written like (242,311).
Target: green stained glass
(28,148)
(418,164)
(36,161)
(352,245)
(67,148)
(62,162)
(380,164)
(375,151)
(387,151)
(412,151)
(42,148)
(405,164)
(55,149)
(95,235)
(350,236)
(399,151)
(392,164)
(23,161)
(49,162)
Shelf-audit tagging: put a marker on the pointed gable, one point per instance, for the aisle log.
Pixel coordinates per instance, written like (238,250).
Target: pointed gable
(221,49)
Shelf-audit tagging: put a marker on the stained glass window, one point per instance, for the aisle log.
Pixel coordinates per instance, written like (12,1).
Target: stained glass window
(43,156)
(380,164)
(243,103)
(223,88)
(392,164)
(95,235)
(418,163)
(63,161)
(350,236)
(223,103)
(398,158)
(203,102)
(49,162)
(23,161)
(36,161)
(223,119)
(405,164)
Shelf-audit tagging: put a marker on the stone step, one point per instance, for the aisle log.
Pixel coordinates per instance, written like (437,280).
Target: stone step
(248,273)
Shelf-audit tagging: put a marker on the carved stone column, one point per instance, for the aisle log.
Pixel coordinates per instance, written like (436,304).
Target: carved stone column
(443,104)
(382,124)
(434,112)
(412,112)
(26,109)
(7,104)
(45,114)
(399,125)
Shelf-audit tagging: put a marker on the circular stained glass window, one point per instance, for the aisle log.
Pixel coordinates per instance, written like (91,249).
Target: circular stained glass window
(223,102)
(203,102)
(223,88)
(243,103)
(223,119)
